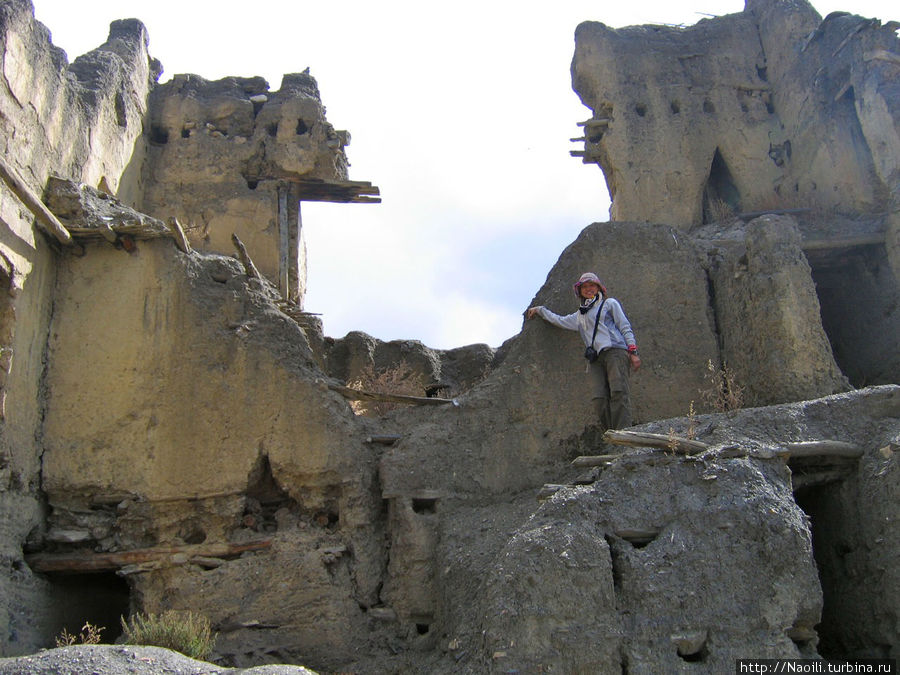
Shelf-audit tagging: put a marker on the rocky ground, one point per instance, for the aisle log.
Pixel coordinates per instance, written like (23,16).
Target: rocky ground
(125,660)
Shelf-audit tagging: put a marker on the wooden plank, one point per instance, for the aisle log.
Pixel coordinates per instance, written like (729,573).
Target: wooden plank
(181,240)
(95,562)
(48,222)
(825,448)
(283,241)
(677,444)
(249,267)
(320,190)
(361,395)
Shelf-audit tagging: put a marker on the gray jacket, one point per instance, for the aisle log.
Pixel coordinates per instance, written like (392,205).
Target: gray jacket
(613,330)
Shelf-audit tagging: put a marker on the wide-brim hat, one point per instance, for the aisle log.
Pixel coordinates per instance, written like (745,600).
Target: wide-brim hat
(585,278)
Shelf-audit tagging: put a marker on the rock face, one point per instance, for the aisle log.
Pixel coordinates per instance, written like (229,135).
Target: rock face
(813,100)
(172,436)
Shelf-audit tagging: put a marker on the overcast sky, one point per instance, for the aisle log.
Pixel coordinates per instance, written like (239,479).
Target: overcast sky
(461,112)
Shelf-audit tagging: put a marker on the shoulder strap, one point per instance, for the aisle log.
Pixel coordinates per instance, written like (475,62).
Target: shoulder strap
(597,320)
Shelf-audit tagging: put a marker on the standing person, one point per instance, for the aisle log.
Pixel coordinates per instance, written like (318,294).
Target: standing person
(610,347)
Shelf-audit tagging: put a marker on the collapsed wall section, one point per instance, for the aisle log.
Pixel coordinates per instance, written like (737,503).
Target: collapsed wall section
(222,157)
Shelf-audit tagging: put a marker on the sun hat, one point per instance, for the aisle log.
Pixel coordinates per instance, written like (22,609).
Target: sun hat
(585,278)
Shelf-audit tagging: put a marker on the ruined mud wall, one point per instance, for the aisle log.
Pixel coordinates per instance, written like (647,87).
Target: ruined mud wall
(216,156)
(813,100)
(78,120)
(213,431)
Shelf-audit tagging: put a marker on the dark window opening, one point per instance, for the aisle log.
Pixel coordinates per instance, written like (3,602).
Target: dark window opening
(422,505)
(119,105)
(99,599)
(191,533)
(675,107)
(301,127)
(272,129)
(849,96)
(265,499)
(708,107)
(763,73)
(640,109)
(856,287)
(422,628)
(158,135)
(185,133)
(252,184)
(721,198)
(698,656)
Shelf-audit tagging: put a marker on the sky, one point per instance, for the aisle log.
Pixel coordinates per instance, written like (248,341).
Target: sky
(461,113)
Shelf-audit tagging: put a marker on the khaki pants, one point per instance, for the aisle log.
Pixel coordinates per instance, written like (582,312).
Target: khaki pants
(612,393)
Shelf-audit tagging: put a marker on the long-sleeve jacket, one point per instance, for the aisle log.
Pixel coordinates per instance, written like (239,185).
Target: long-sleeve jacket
(613,330)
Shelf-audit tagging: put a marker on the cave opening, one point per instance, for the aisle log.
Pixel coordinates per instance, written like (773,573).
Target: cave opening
(98,598)
(856,287)
(825,493)
(721,197)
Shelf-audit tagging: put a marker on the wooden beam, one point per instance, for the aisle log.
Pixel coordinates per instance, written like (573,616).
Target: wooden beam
(48,222)
(249,267)
(360,395)
(677,444)
(320,190)
(89,561)
(181,240)
(824,448)
(283,241)
(601,122)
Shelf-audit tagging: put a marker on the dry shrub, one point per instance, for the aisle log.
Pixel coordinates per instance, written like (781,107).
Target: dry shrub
(719,211)
(183,632)
(90,635)
(722,392)
(399,379)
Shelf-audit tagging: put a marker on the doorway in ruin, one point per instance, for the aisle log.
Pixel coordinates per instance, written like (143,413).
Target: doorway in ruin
(858,299)
(721,197)
(826,491)
(98,598)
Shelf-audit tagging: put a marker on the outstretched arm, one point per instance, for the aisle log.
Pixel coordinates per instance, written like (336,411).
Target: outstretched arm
(569,322)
